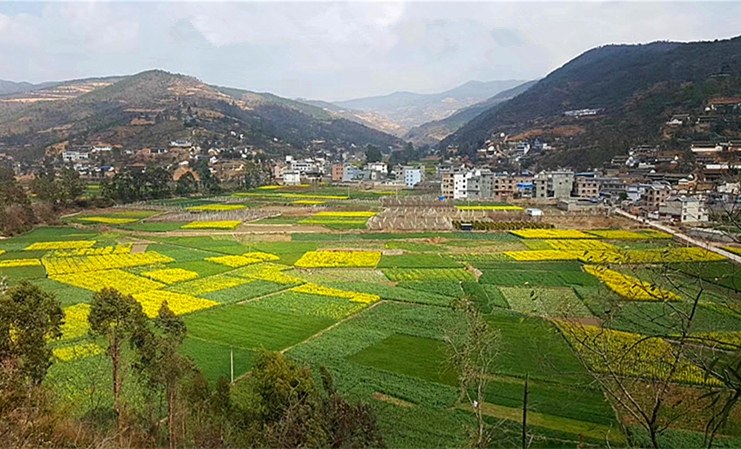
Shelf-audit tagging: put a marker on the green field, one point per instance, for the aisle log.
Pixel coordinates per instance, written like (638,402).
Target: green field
(390,351)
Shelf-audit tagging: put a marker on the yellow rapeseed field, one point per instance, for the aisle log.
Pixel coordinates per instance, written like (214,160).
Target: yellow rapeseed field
(104,250)
(308,202)
(122,281)
(244,259)
(180,304)
(50,246)
(226,224)
(75,321)
(63,265)
(629,354)
(552,234)
(630,287)
(16,263)
(338,259)
(171,275)
(315,289)
(75,352)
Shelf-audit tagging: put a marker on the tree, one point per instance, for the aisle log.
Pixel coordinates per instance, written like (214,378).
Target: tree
(473,351)
(116,317)
(69,186)
(186,184)
(208,182)
(373,154)
(159,361)
(29,318)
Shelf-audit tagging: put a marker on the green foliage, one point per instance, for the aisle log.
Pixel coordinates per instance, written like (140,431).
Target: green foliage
(548,302)
(396,293)
(537,278)
(248,327)
(313,305)
(412,274)
(418,261)
(424,358)
(28,318)
(485,297)
(439,287)
(244,292)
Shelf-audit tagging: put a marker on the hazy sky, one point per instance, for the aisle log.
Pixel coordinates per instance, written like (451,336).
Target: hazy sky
(330,50)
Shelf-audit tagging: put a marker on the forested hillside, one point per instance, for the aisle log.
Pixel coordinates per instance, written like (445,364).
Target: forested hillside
(635,88)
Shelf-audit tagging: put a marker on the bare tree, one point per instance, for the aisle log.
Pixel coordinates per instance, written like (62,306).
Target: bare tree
(473,352)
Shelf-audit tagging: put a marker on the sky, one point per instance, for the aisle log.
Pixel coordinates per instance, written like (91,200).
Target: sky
(332,50)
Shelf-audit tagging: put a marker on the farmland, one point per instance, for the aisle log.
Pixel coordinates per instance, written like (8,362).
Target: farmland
(376,310)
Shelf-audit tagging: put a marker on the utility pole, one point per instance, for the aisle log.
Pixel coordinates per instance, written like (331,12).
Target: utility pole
(524,412)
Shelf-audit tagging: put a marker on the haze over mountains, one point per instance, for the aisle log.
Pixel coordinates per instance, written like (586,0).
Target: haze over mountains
(409,109)
(633,90)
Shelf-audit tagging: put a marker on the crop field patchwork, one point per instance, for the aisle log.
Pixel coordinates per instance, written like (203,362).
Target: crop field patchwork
(379,323)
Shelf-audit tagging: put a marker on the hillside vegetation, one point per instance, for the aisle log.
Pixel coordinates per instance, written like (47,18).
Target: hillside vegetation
(152,108)
(637,88)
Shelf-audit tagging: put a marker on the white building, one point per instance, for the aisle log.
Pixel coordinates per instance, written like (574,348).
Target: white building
(74,156)
(684,209)
(380,167)
(291,178)
(413,175)
(460,185)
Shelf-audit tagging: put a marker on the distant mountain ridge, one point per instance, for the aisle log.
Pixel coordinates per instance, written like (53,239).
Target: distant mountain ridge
(635,87)
(431,133)
(409,109)
(151,108)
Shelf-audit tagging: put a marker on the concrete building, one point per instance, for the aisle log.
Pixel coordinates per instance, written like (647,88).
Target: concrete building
(413,175)
(351,173)
(655,195)
(684,209)
(555,184)
(338,172)
(291,178)
(447,185)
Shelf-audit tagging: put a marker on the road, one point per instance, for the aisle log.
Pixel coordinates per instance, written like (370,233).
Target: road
(679,235)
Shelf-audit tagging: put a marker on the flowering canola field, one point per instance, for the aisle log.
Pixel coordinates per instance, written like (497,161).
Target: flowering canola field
(631,354)
(180,304)
(552,234)
(225,224)
(122,281)
(244,259)
(171,275)
(629,287)
(49,246)
(16,263)
(338,259)
(64,265)
(216,207)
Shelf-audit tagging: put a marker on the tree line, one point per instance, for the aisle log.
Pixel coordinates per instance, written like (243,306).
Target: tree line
(287,406)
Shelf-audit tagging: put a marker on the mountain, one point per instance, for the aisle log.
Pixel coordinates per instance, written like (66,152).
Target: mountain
(367,118)
(633,90)
(408,109)
(152,108)
(431,133)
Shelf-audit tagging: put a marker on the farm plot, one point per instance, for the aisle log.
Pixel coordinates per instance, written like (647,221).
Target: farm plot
(249,327)
(339,259)
(547,302)
(324,275)
(515,278)
(208,285)
(649,357)
(395,293)
(252,289)
(418,261)
(422,274)
(486,297)
(322,306)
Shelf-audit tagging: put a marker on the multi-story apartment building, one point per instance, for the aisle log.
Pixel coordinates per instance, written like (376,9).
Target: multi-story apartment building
(684,209)
(655,195)
(555,184)
(413,175)
(338,172)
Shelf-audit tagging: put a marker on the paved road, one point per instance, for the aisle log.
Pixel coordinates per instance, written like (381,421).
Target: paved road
(681,236)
